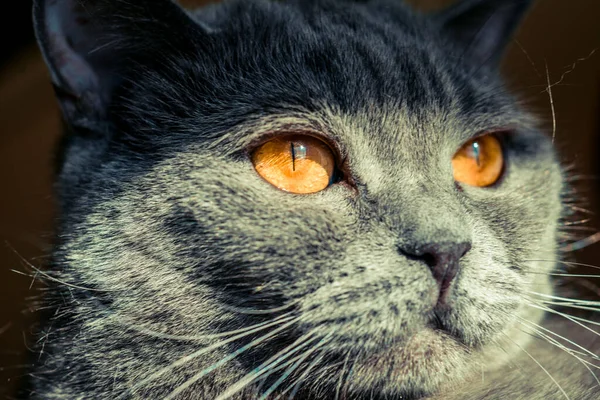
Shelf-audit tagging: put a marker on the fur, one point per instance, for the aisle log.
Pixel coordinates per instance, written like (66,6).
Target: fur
(168,237)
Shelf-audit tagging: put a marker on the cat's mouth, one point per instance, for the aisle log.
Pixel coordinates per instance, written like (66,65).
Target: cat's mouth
(438,321)
(432,335)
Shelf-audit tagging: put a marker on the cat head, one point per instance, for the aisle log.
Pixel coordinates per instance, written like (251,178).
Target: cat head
(180,196)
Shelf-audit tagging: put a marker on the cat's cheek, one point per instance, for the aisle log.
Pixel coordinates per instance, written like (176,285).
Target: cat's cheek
(374,296)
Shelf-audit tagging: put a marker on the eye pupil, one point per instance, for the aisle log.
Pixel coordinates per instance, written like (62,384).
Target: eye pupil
(293,156)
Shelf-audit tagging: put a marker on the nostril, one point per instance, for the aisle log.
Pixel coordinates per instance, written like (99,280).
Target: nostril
(409,254)
(430,259)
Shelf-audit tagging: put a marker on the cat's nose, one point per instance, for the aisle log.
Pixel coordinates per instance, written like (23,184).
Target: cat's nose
(442,258)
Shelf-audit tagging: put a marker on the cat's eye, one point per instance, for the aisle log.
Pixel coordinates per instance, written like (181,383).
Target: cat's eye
(298,164)
(479,162)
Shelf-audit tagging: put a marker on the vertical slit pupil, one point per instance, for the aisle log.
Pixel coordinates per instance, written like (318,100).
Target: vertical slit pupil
(293,156)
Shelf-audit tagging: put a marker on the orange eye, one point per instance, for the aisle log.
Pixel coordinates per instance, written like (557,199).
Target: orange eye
(297,163)
(479,162)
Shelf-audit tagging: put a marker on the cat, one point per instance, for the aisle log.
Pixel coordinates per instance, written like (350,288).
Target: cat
(317,199)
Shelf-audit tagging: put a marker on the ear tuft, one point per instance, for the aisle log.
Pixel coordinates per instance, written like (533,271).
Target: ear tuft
(483,28)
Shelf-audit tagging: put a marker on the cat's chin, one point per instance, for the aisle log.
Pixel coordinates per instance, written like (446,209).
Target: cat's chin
(428,360)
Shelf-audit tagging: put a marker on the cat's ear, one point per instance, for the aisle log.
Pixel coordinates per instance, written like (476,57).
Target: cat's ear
(87,43)
(483,28)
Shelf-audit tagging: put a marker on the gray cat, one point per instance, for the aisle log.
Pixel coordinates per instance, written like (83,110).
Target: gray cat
(300,199)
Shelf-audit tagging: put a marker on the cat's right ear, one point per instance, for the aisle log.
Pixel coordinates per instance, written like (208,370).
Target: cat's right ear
(87,44)
(483,28)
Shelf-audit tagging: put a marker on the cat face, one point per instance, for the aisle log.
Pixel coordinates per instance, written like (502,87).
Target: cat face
(392,278)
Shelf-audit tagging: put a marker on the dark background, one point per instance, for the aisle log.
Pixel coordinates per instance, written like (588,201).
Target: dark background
(557,33)
(15,28)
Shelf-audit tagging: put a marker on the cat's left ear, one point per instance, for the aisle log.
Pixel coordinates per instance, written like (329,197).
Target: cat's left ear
(483,28)
(89,44)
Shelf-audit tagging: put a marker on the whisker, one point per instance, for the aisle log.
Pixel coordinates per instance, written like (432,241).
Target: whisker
(551,98)
(231,277)
(324,371)
(53,279)
(341,380)
(587,364)
(571,305)
(294,367)
(186,359)
(580,244)
(295,386)
(350,373)
(278,368)
(528,58)
(578,222)
(582,210)
(570,300)
(574,65)
(587,321)
(575,228)
(538,327)
(541,366)
(50,277)
(251,311)
(184,338)
(6,327)
(569,317)
(566,274)
(586,284)
(567,263)
(280,356)
(571,352)
(225,360)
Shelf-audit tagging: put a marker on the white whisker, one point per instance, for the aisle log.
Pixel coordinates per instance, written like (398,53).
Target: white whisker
(50,277)
(552,109)
(339,385)
(574,65)
(188,358)
(565,274)
(184,338)
(570,300)
(251,311)
(280,356)
(571,352)
(586,364)
(579,222)
(541,366)
(580,244)
(277,369)
(569,317)
(570,305)
(294,367)
(225,360)
(538,327)
(567,263)
(295,386)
